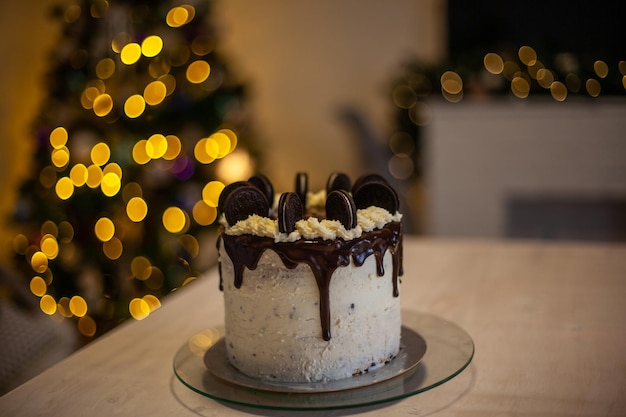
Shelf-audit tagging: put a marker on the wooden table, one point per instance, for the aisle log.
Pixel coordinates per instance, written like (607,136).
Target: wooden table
(548,321)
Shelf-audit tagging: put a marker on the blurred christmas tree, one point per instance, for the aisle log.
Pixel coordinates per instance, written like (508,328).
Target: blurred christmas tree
(141,128)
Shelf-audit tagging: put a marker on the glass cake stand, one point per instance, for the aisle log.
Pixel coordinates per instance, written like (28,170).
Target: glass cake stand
(433,351)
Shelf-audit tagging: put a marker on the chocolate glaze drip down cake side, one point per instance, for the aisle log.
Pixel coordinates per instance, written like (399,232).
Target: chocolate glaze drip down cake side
(310,279)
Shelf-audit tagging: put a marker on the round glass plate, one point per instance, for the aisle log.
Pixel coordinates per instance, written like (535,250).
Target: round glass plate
(450,350)
(412,349)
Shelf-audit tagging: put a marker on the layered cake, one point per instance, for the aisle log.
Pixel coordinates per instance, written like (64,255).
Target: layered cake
(310,279)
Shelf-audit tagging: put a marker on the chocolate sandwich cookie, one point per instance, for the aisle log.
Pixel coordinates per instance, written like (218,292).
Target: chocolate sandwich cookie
(340,206)
(244,201)
(338,181)
(376,193)
(289,211)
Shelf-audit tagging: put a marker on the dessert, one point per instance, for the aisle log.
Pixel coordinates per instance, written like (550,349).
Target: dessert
(310,279)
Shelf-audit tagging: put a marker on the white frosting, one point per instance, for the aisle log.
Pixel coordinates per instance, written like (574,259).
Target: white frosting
(312,228)
(273,328)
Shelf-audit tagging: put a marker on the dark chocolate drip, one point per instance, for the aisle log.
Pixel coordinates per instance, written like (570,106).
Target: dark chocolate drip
(322,256)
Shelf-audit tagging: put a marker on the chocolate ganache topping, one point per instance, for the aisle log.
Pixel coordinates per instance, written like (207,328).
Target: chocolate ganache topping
(323,256)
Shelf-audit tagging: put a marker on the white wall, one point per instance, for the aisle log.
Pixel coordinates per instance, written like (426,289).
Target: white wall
(306,59)
(480,154)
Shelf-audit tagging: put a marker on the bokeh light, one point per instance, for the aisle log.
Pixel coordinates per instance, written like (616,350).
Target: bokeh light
(130,53)
(139,309)
(198,71)
(100,154)
(78,306)
(38,286)
(155,93)
(136,209)
(151,46)
(48,305)
(204,214)
(102,105)
(134,106)
(64,188)
(211,193)
(156,146)
(104,229)
(174,219)
(105,69)
(58,137)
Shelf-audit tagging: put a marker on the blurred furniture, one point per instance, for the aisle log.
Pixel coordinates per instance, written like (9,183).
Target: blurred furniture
(527,168)
(547,320)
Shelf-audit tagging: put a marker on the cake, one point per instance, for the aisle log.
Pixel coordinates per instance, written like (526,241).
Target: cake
(310,279)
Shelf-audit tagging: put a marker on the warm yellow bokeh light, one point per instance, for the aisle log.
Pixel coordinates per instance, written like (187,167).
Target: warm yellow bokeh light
(211,193)
(110,184)
(89,96)
(558,91)
(156,146)
(100,153)
(180,15)
(113,248)
(170,83)
(130,53)
(48,305)
(38,286)
(140,268)
(94,176)
(601,68)
(104,229)
(200,152)
(79,175)
(134,106)
(60,157)
(223,143)
(204,214)
(152,301)
(155,92)
(105,68)
(64,188)
(593,87)
(520,87)
(198,71)
(151,46)
(174,219)
(113,168)
(451,83)
(173,147)
(232,136)
(237,166)
(140,155)
(102,105)
(527,55)
(39,262)
(136,209)
(493,63)
(545,77)
(58,137)
(86,326)
(139,309)
(63,307)
(78,306)
(49,246)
